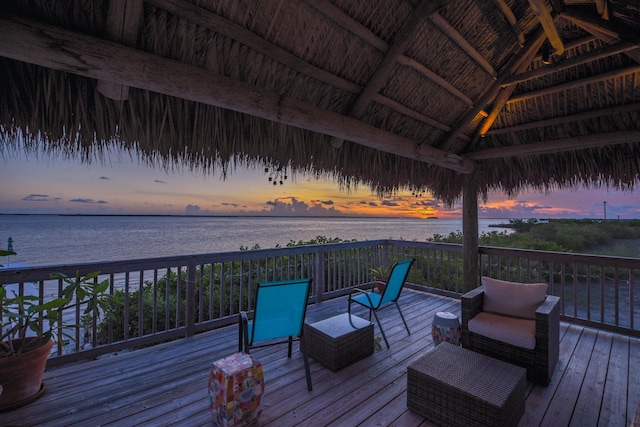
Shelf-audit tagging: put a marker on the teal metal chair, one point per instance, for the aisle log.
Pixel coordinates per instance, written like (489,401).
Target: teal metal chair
(279,312)
(374,301)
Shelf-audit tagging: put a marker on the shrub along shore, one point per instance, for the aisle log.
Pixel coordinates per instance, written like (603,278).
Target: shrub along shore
(587,236)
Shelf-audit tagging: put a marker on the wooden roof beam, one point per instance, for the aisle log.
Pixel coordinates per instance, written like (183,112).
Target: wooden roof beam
(122,26)
(567,119)
(604,30)
(348,23)
(604,52)
(504,95)
(574,44)
(576,83)
(511,19)
(400,44)
(210,20)
(420,68)
(522,60)
(454,35)
(544,16)
(60,49)
(230,29)
(555,146)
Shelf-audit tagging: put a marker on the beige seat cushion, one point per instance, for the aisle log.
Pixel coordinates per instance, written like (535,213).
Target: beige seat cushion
(512,330)
(513,299)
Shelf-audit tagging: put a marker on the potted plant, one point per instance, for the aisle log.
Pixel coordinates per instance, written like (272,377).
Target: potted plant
(380,277)
(23,355)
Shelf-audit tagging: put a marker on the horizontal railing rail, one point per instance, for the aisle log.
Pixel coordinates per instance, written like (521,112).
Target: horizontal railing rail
(165,298)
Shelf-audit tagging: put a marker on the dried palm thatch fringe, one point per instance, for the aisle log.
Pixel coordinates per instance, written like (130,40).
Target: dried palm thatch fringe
(61,113)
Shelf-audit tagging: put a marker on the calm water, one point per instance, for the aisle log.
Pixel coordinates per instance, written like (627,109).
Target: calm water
(51,239)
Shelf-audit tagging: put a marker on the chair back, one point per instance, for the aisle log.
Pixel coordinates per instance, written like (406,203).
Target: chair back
(280,309)
(396,281)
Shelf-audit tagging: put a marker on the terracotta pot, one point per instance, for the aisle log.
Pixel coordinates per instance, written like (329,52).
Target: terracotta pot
(380,285)
(21,376)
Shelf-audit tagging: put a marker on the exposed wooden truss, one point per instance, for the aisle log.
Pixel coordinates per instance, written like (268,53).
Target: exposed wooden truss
(511,19)
(541,11)
(401,42)
(32,42)
(559,145)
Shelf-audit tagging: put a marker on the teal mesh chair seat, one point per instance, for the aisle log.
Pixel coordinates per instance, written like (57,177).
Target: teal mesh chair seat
(279,312)
(374,301)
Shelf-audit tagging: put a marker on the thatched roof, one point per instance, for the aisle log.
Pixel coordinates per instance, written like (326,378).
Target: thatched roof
(389,93)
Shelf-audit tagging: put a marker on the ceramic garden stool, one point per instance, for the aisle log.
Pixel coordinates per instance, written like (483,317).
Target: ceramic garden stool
(446,328)
(236,386)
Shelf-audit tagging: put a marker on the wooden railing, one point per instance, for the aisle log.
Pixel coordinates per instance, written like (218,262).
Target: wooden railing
(209,290)
(598,291)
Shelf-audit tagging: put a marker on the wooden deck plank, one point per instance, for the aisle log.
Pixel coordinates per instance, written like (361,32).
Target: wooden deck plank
(539,399)
(633,405)
(561,407)
(614,402)
(590,399)
(596,381)
(352,382)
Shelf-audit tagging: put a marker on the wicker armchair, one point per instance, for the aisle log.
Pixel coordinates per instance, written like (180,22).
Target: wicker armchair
(539,362)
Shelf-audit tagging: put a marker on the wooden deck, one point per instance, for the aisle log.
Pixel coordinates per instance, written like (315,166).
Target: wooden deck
(596,382)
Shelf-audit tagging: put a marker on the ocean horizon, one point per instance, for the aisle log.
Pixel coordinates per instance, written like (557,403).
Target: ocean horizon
(54,239)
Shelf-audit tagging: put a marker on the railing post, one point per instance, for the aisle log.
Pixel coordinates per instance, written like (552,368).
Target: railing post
(384,254)
(318,276)
(190,303)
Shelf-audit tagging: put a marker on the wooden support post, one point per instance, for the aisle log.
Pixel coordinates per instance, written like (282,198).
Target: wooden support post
(470,233)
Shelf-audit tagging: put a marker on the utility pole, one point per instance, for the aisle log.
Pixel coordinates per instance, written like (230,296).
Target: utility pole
(605,210)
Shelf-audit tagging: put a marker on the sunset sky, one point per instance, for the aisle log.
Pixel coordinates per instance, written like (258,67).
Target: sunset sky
(42,184)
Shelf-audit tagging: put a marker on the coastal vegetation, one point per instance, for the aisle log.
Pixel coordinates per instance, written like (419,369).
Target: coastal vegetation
(587,236)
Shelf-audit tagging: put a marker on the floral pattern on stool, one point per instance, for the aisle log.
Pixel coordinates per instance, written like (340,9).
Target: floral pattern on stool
(236,386)
(446,328)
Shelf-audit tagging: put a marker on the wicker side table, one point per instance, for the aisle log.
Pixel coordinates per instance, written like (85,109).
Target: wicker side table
(457,387)
(338,341)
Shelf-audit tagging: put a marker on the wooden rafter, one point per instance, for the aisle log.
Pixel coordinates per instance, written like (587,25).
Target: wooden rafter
(400,44)
(559,145)
(518,61)
(64,50)
(574,44)
(604,52)
(503,96)
(351,25)
(454,35)
(207,19)
(604,30)
(336,15)
(408,62)
(223,26)
(122,26)
(511,19)
(577,83)
(545,18)
(567,119)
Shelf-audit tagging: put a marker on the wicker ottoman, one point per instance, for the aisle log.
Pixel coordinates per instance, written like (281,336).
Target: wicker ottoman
(339,341)
(456,387)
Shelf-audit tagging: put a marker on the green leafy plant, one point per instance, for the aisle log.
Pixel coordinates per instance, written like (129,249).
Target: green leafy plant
(6,253)
(24,313)
(381,273)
